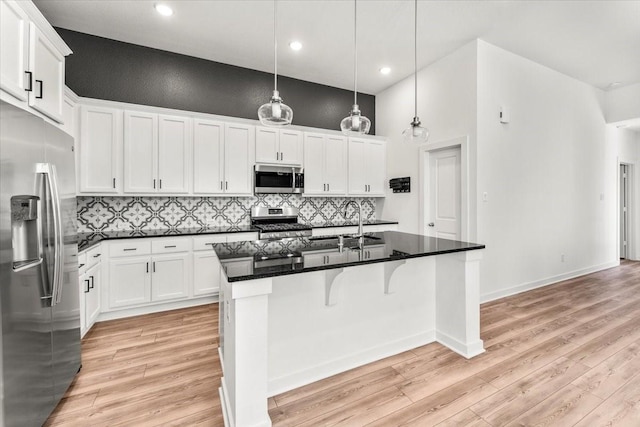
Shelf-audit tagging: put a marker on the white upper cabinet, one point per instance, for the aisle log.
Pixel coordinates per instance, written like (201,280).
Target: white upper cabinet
(100,148)
(31,59)
(239,156)
(174,143)
(367,167)
(47,65)
(208,157)
(157,155)
(14,45)
(279,146)
(140,152)
(325,163)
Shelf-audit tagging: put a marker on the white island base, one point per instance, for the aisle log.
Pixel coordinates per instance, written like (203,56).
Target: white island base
(280,333)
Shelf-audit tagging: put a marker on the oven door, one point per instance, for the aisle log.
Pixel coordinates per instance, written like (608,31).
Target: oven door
(276,179)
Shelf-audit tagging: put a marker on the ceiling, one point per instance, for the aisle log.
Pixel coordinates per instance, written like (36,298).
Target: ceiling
(597,42)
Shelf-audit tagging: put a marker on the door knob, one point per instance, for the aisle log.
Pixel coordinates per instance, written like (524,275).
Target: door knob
(431,224)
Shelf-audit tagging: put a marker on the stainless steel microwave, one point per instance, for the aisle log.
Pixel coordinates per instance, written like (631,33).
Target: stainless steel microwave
(278,179)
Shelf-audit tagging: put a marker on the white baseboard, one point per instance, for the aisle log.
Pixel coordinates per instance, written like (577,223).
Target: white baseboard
(156,308)
(466,350)
(332,367)
(545,282)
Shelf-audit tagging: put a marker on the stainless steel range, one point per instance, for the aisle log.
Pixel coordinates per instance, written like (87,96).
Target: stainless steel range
(278,223)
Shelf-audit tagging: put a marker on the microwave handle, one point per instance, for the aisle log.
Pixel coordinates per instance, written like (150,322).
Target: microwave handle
(293,180)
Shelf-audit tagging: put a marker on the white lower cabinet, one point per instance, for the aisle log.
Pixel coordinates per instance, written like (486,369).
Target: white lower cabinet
(159,273)
(129,281)
(170,277)
(90,287)
(93,280)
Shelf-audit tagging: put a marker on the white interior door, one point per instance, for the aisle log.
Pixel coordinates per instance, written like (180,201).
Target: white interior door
(444,194)
(624,210)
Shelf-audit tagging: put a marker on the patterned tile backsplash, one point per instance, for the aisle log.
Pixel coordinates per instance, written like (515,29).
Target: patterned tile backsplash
(151,213)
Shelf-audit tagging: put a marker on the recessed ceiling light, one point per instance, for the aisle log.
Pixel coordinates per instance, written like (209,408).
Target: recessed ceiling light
(163,9)
(295,45)
(385,70)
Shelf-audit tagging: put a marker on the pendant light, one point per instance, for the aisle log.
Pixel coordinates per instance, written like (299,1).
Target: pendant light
(275,112)
(415,133)
(355,122)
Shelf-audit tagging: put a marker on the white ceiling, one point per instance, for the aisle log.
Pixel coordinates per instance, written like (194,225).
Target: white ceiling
(597,42)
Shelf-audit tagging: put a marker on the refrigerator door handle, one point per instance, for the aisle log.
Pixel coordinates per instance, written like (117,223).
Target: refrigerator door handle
(49,171)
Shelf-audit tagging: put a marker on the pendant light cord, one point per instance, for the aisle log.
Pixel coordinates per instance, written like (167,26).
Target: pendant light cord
(275,45)
(415,58)
(355,48)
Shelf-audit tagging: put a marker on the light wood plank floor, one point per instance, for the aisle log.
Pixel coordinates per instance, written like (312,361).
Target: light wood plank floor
(562,355)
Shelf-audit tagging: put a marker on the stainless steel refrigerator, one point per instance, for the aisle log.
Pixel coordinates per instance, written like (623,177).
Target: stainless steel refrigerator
(39,295)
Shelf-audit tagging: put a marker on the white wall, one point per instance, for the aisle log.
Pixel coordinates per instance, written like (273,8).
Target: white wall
(549,173)
(446,106)
(623,103)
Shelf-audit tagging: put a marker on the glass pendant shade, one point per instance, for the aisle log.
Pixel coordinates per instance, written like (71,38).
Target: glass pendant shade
(355,122)
(415,133)
(275,112)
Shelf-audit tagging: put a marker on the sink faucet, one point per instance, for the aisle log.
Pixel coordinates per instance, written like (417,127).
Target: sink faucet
(360,234)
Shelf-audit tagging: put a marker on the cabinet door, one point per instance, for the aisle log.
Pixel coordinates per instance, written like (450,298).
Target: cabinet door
(208,152)
(83,282)
(14,47)
(129,281)
(267,145)
(92,298)
(170,276)
(314,182)
(315,259)
(376,167)
(100,150)
(357,173)
(206,273)
(140,152)
(47,65)
(335,165)
(291,147)
(174,146)
(239,155)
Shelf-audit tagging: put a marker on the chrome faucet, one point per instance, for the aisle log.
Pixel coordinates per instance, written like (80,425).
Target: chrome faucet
(360,234)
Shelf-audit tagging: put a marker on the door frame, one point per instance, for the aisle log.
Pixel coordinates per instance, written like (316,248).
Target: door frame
(461,142)
(632,242)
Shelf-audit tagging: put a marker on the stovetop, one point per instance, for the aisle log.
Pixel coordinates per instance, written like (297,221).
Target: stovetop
(278,223)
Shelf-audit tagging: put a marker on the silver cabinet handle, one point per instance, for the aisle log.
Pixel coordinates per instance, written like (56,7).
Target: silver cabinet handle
(226,185)
(328,187)
(130,249)
(221,186)
(161,183)
(154,184)
(114,183)
(170,246)
(281,155)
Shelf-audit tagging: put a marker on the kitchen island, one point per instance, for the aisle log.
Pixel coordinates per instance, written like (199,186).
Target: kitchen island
(295,311)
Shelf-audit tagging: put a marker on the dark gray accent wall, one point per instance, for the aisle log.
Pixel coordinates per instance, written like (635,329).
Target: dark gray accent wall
(109,69)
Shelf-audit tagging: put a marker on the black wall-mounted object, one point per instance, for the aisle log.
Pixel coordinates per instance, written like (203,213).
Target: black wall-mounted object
(400,185)
(108,69)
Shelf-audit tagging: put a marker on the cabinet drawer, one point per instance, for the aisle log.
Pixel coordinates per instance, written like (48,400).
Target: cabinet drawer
(241,237)
(165,245)
(130,248)
(82,262)
(93,256)
(203,243)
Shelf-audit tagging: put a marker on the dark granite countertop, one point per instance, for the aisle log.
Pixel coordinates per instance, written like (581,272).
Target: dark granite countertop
(264,258)
(87,240)
(343,223)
